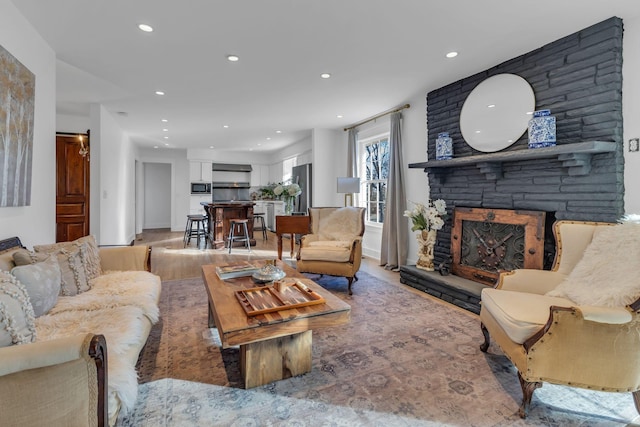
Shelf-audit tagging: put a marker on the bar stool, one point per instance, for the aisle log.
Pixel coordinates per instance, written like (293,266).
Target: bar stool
(263,227)
(195,228)
(241,223)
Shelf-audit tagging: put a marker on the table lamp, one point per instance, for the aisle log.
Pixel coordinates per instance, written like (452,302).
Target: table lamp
(348,186)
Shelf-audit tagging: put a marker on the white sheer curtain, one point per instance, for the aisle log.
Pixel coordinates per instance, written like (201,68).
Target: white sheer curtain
(393,251)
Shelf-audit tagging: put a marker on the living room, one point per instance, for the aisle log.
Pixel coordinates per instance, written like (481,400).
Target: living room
(114,153)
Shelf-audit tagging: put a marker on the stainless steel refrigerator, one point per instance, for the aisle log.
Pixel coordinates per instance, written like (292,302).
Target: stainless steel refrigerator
(301,175)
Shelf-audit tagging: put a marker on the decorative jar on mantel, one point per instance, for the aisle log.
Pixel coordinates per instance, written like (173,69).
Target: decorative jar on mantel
(542,129)
(444,146)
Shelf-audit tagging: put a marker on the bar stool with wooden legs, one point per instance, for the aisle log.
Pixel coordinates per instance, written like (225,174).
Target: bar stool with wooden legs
(241,225)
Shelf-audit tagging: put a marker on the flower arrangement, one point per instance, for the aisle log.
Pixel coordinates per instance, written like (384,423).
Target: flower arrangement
(287,191)
(428,217)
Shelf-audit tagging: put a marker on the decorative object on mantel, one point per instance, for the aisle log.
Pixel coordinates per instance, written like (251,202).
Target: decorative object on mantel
(444,146)
(496,112)
(288,194)
(427,219)
(542,129)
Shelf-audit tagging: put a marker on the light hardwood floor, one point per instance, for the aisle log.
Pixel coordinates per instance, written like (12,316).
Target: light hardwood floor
(171,260)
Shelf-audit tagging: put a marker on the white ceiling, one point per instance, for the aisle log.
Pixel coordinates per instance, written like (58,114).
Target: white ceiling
(380,53)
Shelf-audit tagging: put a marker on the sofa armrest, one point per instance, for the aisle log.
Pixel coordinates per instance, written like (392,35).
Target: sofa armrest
(125,258)
(529,280)
(57,382)
(610,315)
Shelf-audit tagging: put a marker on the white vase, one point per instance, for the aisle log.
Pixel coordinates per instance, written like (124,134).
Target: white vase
(426,242)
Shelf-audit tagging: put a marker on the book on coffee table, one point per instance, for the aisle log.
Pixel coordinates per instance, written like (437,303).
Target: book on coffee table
(236,270)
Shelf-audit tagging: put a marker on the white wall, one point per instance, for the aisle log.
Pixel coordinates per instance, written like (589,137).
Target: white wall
(115,198)
(72,124)
(157,195)
(34,224)
(329,162)
(631,111)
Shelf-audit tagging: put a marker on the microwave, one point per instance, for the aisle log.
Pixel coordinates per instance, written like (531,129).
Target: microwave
(200,188)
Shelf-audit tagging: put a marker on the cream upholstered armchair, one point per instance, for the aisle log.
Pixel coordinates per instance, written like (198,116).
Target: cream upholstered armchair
(578,324)
(334,246)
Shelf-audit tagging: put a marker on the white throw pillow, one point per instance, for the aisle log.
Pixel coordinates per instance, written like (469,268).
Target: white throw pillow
(607,274)
(16,313)
(42,282)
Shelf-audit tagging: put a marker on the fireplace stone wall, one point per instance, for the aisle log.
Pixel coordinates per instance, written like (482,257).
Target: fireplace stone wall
(579,78)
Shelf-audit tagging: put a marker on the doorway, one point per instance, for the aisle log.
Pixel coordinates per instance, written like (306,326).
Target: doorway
(72,186)
(157,195)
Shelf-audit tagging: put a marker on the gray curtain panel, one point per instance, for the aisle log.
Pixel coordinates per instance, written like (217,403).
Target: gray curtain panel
(393,251)
(352,153)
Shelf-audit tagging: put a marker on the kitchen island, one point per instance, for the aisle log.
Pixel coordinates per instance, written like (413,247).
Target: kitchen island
(218,226)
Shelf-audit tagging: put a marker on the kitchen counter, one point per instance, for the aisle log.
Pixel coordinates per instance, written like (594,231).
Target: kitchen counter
(220,213)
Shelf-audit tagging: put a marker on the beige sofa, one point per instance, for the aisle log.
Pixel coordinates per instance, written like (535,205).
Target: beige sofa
(58,359)
(577,324)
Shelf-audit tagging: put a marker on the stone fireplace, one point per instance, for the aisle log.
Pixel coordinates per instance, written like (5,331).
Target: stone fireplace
(579,78)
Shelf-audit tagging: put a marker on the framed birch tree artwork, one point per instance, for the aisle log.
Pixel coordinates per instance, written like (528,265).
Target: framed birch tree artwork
(17,98)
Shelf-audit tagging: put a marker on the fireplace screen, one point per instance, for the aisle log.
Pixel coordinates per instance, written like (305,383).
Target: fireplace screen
(485,242)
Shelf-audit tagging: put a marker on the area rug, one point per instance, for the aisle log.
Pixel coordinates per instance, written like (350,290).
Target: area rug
(404,359)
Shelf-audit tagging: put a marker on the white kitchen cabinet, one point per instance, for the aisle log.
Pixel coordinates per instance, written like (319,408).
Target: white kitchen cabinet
(200,171)
(259,175)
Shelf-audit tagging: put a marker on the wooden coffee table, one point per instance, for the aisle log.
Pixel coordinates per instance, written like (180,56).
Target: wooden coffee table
(276,345)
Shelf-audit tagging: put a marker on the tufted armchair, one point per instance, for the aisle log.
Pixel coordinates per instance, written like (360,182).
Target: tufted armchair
(578,324)
(334,246)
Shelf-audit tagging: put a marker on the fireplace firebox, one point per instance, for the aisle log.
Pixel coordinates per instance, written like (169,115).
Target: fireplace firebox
(485,242)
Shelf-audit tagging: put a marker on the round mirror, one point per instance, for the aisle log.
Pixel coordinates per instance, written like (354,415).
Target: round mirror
(497,112)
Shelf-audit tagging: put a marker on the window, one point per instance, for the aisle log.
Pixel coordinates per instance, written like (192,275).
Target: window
(287,168)
(375,164)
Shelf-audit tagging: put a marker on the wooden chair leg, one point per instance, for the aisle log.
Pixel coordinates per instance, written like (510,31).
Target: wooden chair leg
(487,339)
(350,279)
(527,393)
(636,400)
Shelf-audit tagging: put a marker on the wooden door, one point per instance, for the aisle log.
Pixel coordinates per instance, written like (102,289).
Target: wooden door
(72,187)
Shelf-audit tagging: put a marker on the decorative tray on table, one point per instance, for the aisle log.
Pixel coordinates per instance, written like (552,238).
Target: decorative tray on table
(282,295)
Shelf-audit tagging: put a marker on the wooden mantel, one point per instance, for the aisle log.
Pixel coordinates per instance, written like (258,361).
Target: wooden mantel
(575,157)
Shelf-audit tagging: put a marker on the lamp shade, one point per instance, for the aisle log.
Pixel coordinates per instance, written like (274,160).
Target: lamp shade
(348,185)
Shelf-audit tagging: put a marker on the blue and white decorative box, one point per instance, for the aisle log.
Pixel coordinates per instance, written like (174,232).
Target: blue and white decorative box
(542,129)
(444,146)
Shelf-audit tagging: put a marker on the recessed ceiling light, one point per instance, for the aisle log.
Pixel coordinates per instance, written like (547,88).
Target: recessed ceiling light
(166,144)
(165,130)
(268,138)
(159,92)
(278,131)
(233,58)
(478,131)
(226,126)
(325,75)
(491,106)
(259,145)
(155,146)
(146,28)
(211,146)
(250,149)
(166,137)
(452,54)
(165,120)
(339,116)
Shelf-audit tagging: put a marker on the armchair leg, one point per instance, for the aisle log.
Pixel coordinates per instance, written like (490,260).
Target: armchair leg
(350,279)
(487,339)
(636,399)
(527,393)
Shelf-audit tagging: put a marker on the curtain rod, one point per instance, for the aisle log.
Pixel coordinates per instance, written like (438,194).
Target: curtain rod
(377,116)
